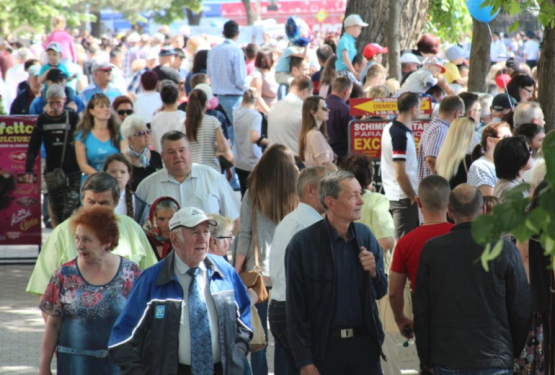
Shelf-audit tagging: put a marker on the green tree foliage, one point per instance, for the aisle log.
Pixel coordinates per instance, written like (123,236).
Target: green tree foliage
(516,218)
(449,19)
(36,14)
(175,10)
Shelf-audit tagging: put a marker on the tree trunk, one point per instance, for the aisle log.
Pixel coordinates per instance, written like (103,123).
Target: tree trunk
(393,36)
(248,11)
(546,77)
(413,19)
(479,55)
(96,25)
(193,17)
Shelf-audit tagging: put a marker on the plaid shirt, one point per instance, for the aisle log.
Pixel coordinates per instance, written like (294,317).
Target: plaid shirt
(430,143)
(135,84)
(226,68)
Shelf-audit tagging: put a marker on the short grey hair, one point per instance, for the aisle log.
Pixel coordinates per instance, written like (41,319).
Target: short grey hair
(101,182)
(173,135)
(222,223)
(330,185)
(55,92)
(309,177)
(131,124)
(526,112)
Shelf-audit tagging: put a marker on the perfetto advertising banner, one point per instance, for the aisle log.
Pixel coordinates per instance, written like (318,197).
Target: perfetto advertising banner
(20,206)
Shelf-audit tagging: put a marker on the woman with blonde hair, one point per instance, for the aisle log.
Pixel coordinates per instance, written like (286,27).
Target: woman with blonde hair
(314,148)
(453,160)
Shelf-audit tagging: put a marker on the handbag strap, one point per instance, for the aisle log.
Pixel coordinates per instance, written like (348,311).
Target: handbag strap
(65,140)
(255,238)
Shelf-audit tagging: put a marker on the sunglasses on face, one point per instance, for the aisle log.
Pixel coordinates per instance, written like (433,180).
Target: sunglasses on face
(325,107)
(142,133)
(123,112)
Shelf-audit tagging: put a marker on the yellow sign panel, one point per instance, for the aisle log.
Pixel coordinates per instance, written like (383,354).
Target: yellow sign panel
(321,15)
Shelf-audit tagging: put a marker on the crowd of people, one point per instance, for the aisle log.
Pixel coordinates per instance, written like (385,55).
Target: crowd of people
(190,162)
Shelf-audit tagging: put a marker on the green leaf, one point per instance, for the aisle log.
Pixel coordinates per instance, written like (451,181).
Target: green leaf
(482,228)
(548,148)
(537,220)
(488,255)
(514,8)
(514,27)
(516,193)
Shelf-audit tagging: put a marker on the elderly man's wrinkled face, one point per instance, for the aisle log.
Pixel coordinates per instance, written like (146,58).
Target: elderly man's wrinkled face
(192,245)
(348,204)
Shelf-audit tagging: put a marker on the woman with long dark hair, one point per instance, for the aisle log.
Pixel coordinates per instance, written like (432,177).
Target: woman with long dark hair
(129,204)
(97,135)
(522,87)
(271,196)
(204,133)
(512,157)
(199,66)
(314,148)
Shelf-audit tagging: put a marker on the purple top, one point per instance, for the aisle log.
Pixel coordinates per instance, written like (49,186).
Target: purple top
(338,125)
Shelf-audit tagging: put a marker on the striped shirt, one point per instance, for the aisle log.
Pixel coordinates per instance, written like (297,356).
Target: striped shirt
(302,217)
(430,143)
(203,150)
(227,69)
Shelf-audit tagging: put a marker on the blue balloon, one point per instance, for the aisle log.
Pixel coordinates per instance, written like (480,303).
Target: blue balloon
(480,14)
(298,31)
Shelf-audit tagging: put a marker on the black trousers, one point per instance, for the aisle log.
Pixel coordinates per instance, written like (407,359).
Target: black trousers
(186,369)
(278,327)
(358,355)
(242,175)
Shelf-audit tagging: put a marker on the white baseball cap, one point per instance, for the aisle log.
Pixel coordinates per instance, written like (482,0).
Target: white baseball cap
(206,89)
(54,46)
(409,58)
(354,20)
(189,217)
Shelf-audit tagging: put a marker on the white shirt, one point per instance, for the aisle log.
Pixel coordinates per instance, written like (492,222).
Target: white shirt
(146,104)
(14,76)
(300,218)
(204,188)
(163,122)
(248,153)
(284,122)
(482,172)
(496,49)
(121,208)
(531,50)
(180,269)
(398,145)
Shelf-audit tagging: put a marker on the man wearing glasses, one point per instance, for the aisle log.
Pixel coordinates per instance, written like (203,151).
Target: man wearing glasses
(102,77)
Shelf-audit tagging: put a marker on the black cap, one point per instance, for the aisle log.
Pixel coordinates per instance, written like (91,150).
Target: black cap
(502,102)
(55,75)
(166,52)
(512,63)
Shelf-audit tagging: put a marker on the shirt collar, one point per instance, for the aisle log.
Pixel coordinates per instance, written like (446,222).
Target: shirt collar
(230,41)
(182,268)
(295,97)
(438,120)
(335,234)
(400,124)
(166,177)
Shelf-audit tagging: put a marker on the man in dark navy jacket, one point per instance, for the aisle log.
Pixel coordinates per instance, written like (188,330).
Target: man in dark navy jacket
(467,319)
(335,274)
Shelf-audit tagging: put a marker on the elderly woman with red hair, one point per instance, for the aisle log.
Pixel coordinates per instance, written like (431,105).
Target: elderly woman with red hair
(85,296)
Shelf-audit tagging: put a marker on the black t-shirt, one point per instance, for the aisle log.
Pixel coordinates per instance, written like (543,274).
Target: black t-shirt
(52,131)
(165,72)
(462,172)
(140,173)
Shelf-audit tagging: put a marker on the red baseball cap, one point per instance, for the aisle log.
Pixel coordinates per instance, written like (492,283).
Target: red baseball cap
(372,49)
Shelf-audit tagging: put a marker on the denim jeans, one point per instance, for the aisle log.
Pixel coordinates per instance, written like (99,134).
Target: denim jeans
(439,370)
(229,102)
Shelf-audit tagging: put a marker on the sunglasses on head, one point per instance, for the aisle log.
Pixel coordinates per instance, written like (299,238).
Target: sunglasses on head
(127,112)
(142,133)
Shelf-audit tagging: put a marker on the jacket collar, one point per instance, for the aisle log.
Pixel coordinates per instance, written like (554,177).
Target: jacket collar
(465,225)
(167,273)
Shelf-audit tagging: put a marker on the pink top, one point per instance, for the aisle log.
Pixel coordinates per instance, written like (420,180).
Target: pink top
(250,66)
(66,41)
(317,151)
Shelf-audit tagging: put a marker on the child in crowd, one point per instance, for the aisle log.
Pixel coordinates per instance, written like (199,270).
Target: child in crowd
(374,54)
(54,54)
(426,77)
(283,74)
(346,48)
(455,55)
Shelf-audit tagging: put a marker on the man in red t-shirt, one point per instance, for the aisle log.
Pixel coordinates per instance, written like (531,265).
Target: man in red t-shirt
(433,196)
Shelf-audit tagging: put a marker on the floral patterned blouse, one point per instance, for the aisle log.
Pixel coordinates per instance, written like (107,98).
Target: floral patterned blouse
(88,313)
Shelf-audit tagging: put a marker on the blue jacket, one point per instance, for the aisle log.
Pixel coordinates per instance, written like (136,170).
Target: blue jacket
(37,106)
(311,290)
(145,337)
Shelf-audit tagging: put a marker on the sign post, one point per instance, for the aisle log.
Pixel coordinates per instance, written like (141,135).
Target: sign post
(20,202)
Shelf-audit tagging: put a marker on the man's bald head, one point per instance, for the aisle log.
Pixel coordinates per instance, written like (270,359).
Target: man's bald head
(465,203)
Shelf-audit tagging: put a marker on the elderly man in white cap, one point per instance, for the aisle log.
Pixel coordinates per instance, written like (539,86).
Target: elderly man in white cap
(409,63)
(102,77)
(190,314)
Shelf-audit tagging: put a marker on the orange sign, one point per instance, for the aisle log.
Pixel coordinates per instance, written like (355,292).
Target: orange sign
(383,106)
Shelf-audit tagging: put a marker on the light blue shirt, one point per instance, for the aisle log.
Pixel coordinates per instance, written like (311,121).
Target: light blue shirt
(284,61)
(302,217)
(204,188)
(226,68)
(111,93)
(347,42)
